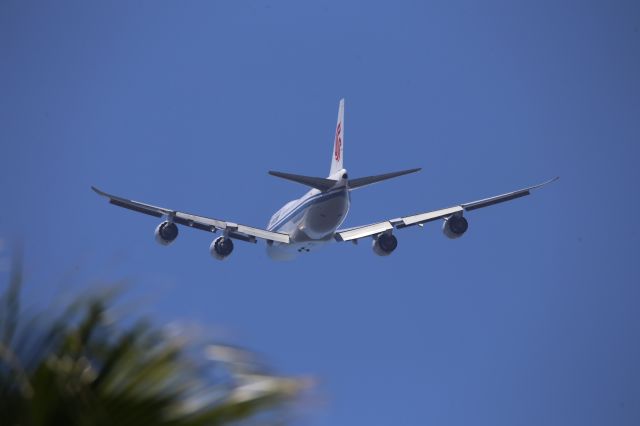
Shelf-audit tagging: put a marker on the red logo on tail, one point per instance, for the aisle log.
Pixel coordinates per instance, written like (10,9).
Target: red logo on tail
(338,142)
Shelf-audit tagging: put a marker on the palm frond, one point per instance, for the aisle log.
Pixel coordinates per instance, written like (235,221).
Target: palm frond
(82,368)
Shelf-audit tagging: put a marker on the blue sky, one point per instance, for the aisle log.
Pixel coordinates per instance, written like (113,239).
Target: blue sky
(530,319)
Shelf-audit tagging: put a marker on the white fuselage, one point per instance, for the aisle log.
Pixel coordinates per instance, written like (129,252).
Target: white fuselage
(310,220)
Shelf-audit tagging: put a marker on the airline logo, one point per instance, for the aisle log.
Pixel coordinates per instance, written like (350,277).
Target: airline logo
(338,142)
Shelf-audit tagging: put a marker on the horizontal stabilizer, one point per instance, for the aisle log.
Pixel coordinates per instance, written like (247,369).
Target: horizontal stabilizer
(315,182)
(359,182)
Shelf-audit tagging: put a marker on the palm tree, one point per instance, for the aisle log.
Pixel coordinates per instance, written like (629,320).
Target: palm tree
(83,368)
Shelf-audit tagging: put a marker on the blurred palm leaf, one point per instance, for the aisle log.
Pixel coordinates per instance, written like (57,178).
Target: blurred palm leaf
(83,369)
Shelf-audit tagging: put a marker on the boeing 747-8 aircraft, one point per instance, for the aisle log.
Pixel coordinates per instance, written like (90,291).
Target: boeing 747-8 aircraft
(302,225)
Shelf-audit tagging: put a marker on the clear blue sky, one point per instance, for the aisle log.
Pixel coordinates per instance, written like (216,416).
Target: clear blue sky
(532,318)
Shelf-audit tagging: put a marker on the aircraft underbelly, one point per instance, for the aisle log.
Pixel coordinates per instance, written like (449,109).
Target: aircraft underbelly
(323,218)
(312,228)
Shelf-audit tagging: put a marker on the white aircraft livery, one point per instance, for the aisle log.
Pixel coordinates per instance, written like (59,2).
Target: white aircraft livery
(302,225)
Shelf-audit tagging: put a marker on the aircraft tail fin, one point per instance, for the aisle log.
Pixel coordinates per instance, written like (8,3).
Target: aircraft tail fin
(338,142)
(315,182)
(368,180)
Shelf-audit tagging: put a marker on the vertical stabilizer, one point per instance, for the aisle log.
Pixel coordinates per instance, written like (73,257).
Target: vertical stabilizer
(338,142)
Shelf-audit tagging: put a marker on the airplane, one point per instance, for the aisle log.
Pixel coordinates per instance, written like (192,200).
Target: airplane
(303,225)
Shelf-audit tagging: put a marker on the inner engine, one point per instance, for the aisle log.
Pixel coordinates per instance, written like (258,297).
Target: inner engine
(166,233)
(455,226)
(221,248)
(384,244)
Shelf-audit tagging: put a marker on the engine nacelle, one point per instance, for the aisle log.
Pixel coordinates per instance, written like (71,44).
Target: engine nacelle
(221,248)
(166,233)
(384,244)
(455,226)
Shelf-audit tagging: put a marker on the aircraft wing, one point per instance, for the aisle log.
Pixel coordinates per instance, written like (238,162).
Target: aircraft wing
(234,230)
(352,234)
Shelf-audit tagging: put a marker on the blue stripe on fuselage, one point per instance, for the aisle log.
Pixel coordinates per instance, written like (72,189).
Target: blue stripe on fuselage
(323,196)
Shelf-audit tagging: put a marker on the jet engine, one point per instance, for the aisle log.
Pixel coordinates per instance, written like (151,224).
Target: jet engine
(384,244)
(454,226)
(221,248)
(166,232)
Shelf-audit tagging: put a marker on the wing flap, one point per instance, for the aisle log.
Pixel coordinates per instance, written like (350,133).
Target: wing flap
(136,207)
(133,205)
(265,235)
(417,219)
(204,223)
(486,202)
(364,231)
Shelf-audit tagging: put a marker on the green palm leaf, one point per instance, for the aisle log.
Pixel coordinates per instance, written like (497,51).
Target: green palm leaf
(83,369)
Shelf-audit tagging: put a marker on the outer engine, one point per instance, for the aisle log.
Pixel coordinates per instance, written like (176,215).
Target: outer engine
(384,244)
(455,226)
(221,248)
(166,233)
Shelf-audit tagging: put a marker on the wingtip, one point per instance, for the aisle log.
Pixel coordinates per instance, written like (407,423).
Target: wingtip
(546,182)
(97,191)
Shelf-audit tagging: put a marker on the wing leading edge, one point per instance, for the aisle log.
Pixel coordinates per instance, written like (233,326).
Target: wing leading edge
(234,230)
(356,233)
